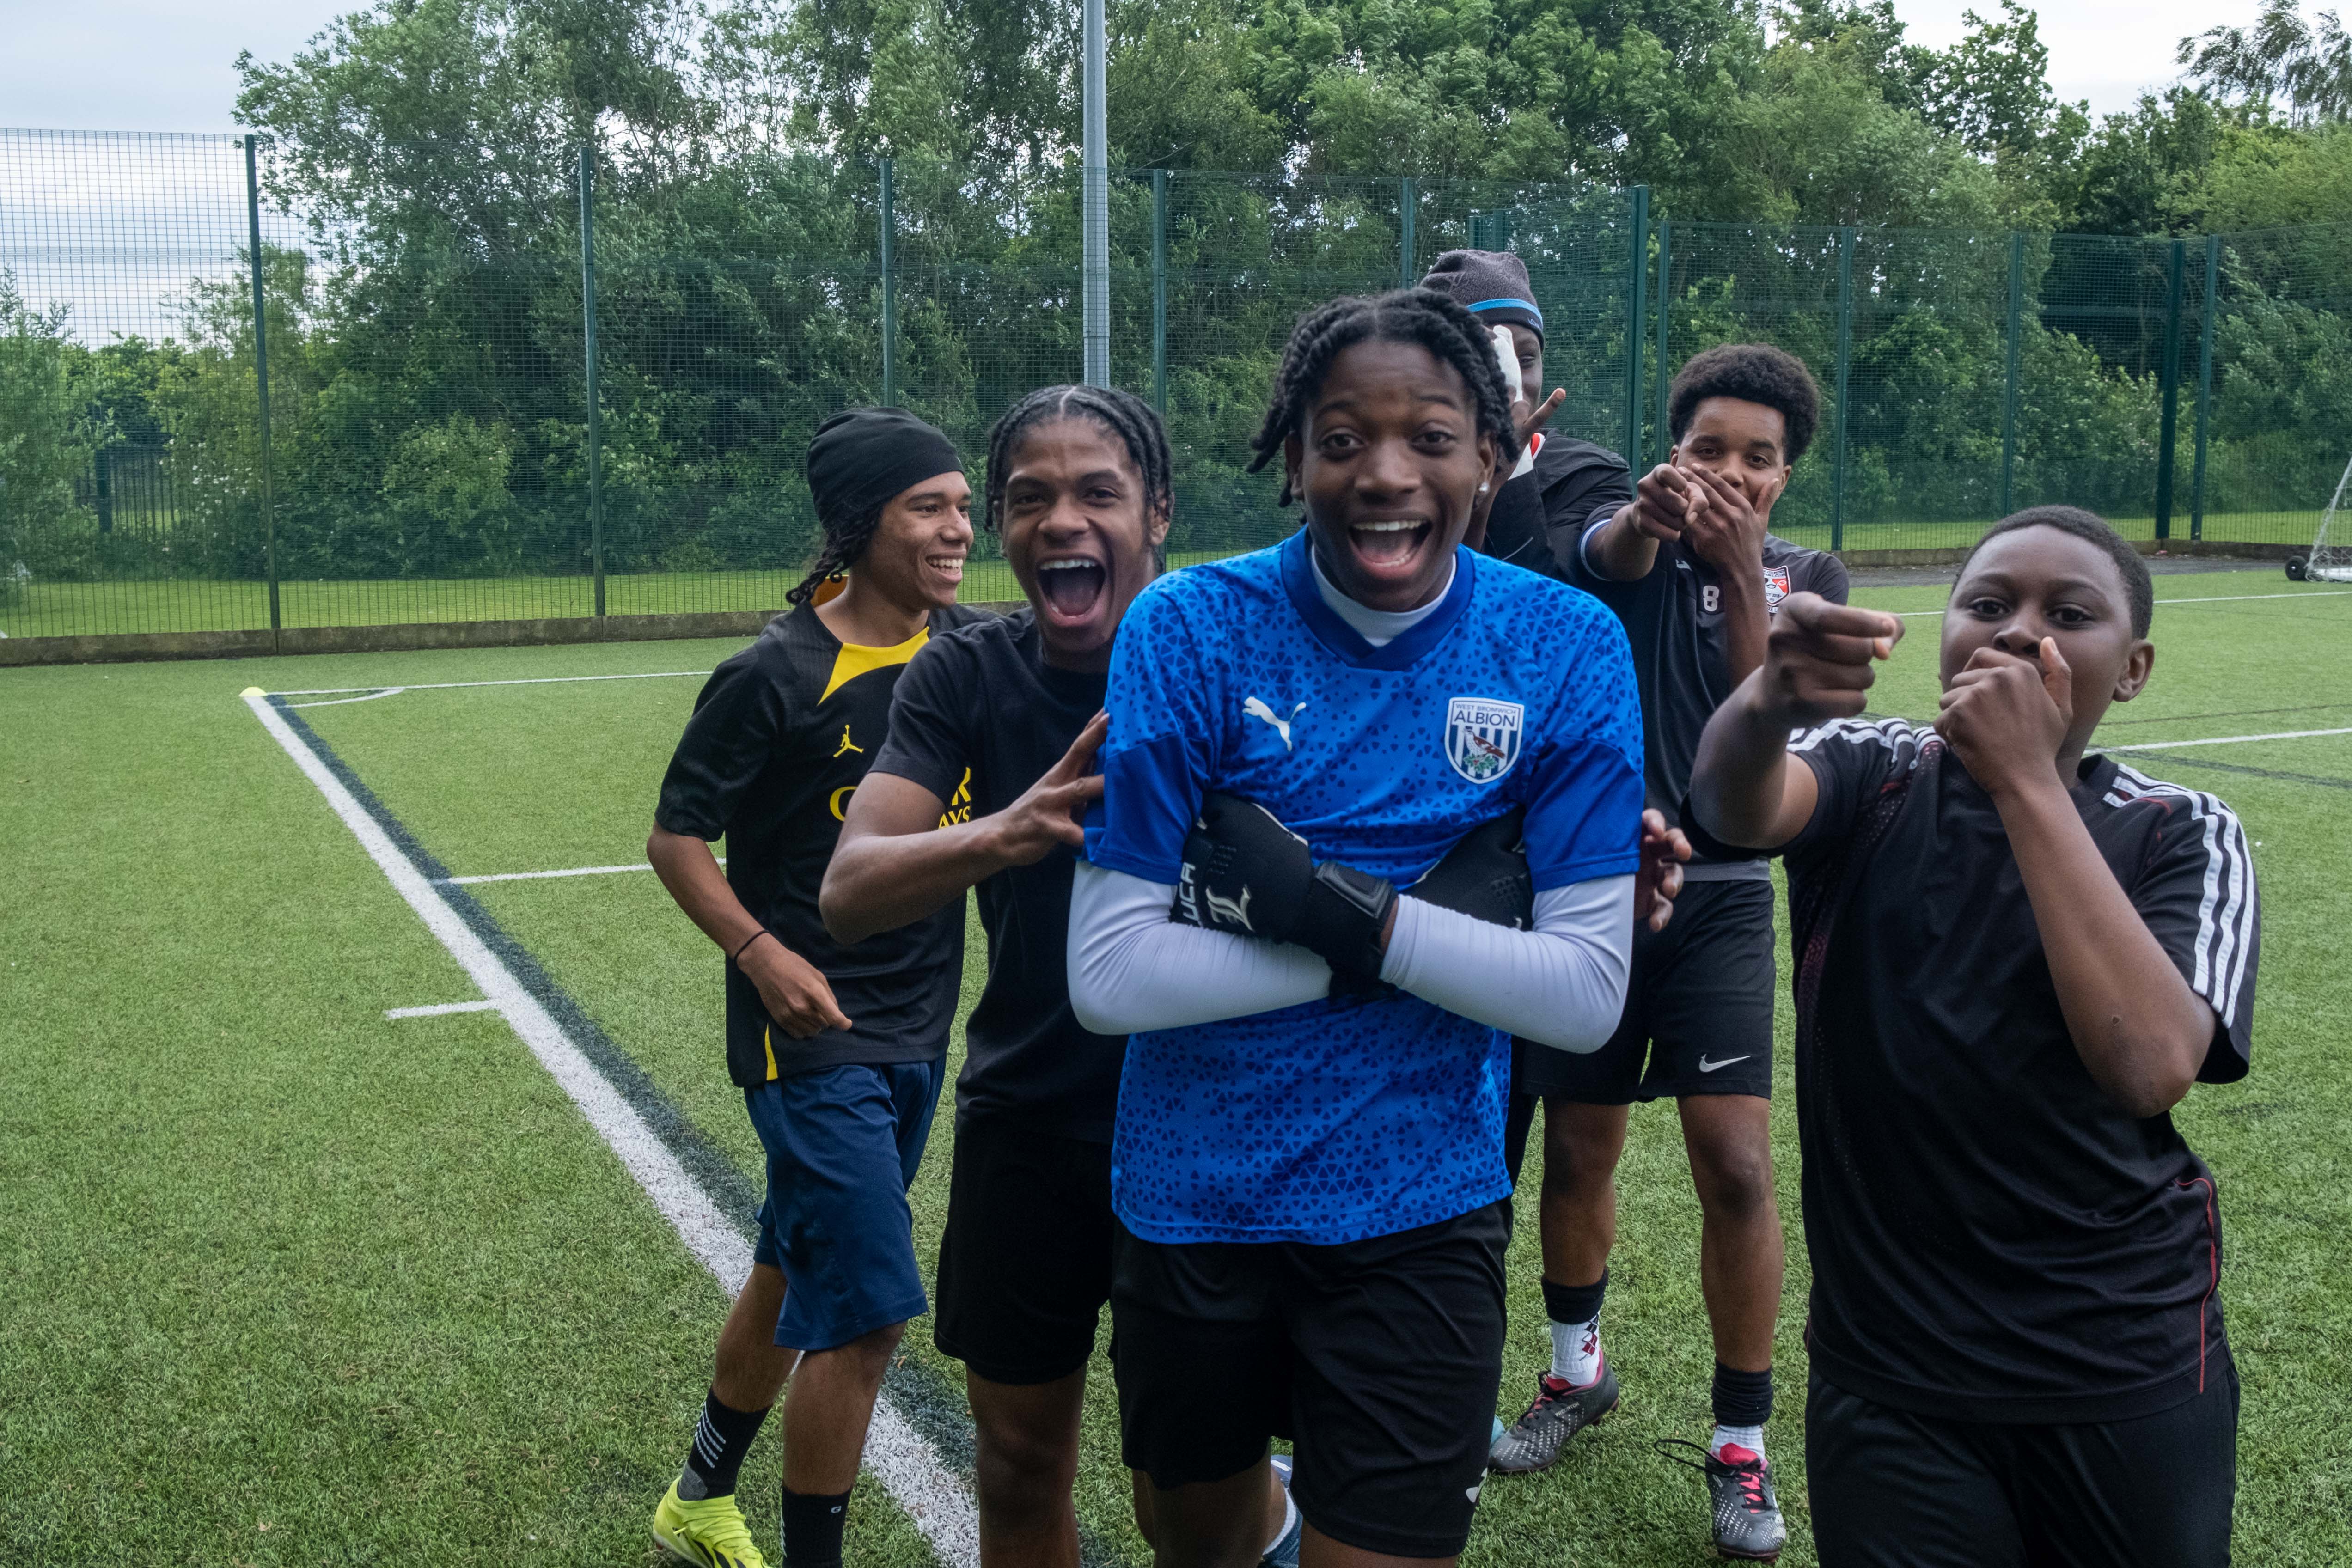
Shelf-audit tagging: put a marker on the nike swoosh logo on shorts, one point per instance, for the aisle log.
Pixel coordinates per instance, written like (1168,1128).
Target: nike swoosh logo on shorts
(1706,1066)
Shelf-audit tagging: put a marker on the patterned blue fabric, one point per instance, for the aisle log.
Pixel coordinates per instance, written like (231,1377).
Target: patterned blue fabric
(1336,1121)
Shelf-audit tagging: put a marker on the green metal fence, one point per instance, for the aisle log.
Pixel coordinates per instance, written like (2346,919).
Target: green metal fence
(2189,390)
(220,410)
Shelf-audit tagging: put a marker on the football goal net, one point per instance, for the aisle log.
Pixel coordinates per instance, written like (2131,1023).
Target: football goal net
(2330,559)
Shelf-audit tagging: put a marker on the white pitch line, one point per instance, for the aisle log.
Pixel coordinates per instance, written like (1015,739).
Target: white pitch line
(2226,739)
(453,685)
(541,875)
(906,1464)
(441,1010)
(2215,599)
(372,694)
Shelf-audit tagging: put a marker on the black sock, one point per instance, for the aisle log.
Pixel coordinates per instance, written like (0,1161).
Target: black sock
(1742,1399)
(721,1439)
(813,1529)
(1575,1304)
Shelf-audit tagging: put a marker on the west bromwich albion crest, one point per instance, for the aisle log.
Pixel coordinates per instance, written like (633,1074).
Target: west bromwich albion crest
(1482,736)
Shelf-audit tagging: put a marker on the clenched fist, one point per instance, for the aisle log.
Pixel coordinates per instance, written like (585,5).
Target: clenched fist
(2006,717)
(1817,658)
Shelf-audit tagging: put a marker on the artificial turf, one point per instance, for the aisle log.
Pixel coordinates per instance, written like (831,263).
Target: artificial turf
(288,1282)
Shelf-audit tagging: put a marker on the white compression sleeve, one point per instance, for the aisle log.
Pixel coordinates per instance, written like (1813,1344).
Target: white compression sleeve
(1562,983)
(1132,968)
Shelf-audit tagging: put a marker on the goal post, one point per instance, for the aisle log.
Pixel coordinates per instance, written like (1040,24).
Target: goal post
(2330,559)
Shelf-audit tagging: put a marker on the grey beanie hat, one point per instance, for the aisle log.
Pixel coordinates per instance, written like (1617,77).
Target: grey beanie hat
(1491,284)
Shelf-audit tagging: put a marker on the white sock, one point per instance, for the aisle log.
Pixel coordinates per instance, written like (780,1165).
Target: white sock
(1575,1353)
(1748,1438)
(1289,1520)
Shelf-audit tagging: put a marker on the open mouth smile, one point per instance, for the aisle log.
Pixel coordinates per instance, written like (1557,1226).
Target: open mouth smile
(1071,587)
(1390,542)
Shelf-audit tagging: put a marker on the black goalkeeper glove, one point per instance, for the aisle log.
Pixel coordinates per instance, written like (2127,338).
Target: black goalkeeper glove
(1246,874)
(1485,875)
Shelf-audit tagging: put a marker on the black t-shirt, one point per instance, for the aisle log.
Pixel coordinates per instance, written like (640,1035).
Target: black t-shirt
(1992,1237)
(979,717)
(1673,617)
(1570,481)
(781,735)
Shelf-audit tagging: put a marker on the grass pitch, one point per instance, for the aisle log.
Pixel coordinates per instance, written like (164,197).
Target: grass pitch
(290,1282)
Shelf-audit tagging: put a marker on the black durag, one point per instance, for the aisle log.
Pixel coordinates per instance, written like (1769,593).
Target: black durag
(862,456)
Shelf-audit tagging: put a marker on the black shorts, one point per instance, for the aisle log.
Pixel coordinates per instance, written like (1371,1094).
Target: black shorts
(1698,1009)
(1381,1358)
(1025,1263)
(1893,1489)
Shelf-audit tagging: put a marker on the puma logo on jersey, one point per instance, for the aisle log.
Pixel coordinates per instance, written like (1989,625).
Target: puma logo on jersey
(1228,910)
(847,745)
(1254,707)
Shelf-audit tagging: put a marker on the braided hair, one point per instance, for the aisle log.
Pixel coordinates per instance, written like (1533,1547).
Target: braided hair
(845,543)
(1120,413)
(1438,322)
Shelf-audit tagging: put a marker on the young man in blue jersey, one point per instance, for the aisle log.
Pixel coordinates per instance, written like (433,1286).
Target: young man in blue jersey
(979,787)
(1308,1159)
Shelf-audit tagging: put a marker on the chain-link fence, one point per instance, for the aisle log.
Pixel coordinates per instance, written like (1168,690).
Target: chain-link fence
(413,411)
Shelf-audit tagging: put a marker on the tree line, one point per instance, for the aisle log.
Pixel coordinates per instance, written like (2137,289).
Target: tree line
(425,347)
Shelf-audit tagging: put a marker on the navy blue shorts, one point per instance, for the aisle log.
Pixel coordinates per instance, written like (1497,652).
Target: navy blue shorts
(842,1145)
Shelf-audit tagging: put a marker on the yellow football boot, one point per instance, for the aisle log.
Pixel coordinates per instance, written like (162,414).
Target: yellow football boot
(709,1535)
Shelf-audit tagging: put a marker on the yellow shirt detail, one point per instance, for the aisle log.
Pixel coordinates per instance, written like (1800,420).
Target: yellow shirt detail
(856,659)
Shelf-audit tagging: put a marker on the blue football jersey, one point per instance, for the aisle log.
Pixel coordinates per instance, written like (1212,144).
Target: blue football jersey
(1338,1120)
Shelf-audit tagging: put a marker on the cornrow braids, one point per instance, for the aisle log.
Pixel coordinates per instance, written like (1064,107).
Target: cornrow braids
(1121,413)
(845,543)
(1438,322)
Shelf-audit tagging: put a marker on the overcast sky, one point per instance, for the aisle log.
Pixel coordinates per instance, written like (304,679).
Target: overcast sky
(160,65)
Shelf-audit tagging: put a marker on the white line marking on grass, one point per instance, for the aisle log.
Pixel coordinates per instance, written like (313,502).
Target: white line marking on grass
(2228,739)
(453,685)
(2237,598)
(909,1468)
(538,876)
(2215,599)
(439,1009)
(337,702)
(542,875)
